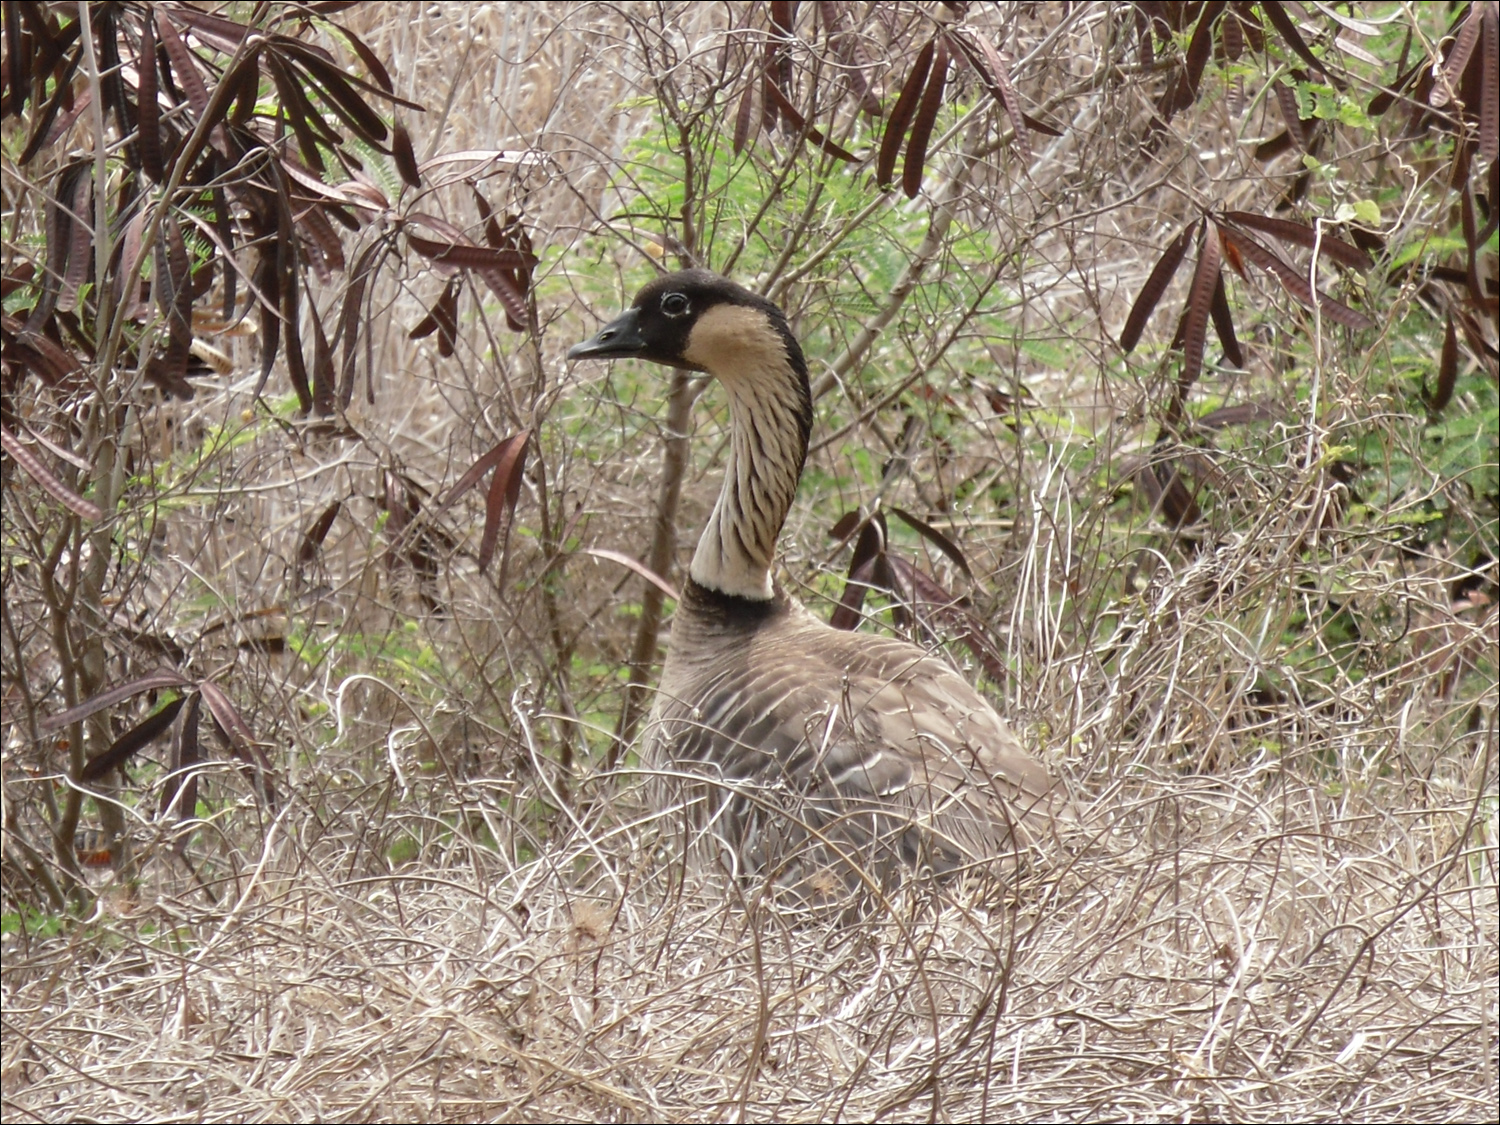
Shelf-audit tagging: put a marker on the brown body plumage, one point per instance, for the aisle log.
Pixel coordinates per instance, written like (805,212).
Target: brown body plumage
(803,746)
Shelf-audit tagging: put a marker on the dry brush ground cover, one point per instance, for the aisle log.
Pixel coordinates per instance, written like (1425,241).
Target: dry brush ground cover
(1226,536)
(1247,949)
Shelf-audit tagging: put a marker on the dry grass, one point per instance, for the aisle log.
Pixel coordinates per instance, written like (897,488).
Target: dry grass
(1239,948)
(1282,904)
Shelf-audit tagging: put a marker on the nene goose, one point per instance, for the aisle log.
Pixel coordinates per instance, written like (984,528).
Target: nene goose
(861,751)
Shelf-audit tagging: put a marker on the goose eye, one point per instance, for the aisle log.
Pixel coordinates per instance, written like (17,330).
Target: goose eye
(674,305)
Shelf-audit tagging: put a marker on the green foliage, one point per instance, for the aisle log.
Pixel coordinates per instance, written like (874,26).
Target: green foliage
(1318,101)
(33,922)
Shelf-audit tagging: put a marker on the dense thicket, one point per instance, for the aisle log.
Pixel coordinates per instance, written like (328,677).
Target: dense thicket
(1155,358)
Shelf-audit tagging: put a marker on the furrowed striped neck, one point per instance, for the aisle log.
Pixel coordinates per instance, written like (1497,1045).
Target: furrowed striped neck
(770,414)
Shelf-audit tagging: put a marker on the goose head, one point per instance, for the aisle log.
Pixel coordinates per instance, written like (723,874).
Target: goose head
(699,321)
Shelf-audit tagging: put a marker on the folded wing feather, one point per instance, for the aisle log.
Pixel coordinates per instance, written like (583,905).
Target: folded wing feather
(865,744)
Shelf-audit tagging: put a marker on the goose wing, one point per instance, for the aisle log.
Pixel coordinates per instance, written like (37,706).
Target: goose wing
(863,739)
